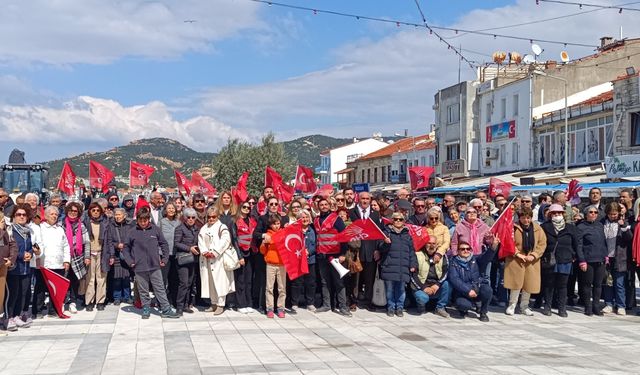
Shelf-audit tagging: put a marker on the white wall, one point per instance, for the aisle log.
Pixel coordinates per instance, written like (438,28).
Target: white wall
(506,146)
(339,155)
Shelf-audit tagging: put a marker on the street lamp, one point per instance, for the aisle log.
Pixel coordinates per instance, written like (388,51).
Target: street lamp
(566,117)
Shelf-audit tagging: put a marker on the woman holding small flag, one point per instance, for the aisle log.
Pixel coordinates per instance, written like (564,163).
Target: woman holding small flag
(303,288)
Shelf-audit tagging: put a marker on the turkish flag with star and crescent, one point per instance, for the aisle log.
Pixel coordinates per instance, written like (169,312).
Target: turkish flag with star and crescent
(360,230)
(419,177)
(99,176)
(58,286)
(304,180)
(139,173)
(183,182)
(290,244)
(67,183)
(281,190)
(497,186)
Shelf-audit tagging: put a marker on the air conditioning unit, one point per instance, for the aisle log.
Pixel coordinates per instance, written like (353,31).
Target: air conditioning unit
(492,153)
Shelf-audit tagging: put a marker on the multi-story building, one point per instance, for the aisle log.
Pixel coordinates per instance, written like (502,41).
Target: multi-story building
(334,160)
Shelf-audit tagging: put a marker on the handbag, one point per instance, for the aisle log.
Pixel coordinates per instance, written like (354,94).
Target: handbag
(379,297)
(355,266)
(230,259)
(550,261)
(183,258)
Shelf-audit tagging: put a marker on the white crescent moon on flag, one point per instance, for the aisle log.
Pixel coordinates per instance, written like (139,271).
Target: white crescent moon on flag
(54,291)
(302,179)
(292,237)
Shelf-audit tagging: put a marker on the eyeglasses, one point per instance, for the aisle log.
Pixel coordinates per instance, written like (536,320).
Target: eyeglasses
(478,208)
(593,212)
(212,216)
(245,207)
(339,199)
(434,218)
(398,219)
(113,199)
(526,201)
(251,202)
(199,201)
(272,204)
(472,212)
(292,207)
(464,249)
(419,205)
(73,211)
(20,214)
(191,217)
(95,210)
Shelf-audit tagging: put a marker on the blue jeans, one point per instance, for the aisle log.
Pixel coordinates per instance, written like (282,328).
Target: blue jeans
(442,296)
(616,292)
(395,294)
(121,288)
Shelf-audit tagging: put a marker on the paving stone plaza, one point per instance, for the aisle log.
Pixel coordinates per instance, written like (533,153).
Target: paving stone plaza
(117,341)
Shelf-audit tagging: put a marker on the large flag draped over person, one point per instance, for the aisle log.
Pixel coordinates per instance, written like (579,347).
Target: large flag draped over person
(304,180)
(360,230)
(281,190)
(183,182)
(290,244)
(497,186)
(99,176)
(240,193)
(201,185)
(67,182)
(139,173)
(419,235)
(503,229)
(419,177)
(58,286)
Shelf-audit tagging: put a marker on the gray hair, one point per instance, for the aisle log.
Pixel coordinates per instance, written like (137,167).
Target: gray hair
(51,209)
(188,211)
(32,195)
(476,202)
(119,210)
(54,196)
(103,202)
(303,212)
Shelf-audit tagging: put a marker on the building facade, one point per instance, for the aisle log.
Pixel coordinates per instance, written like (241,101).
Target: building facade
(336,159)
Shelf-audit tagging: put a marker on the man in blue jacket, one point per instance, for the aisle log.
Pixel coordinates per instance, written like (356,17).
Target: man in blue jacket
(141,253)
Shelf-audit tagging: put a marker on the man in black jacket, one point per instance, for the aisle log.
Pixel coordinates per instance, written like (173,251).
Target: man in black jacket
(367,253)
(141,253)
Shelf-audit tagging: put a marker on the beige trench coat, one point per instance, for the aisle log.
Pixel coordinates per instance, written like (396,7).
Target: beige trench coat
(525,275)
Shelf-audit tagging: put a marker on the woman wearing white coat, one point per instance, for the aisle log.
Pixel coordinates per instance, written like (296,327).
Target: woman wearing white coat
(55,255)
(213,241)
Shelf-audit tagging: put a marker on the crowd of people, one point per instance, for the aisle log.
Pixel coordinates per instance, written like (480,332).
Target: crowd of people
(179,254)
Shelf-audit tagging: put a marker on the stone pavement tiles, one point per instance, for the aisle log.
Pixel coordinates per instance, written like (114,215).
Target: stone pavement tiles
(117,341)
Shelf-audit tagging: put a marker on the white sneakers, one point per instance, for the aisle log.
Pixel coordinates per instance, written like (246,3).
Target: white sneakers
(621,311)
(511,309)
(607,309)
(246,310)
(528,312)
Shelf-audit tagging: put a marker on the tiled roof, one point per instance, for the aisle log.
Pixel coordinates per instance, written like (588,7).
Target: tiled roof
(422,142)
(604,97)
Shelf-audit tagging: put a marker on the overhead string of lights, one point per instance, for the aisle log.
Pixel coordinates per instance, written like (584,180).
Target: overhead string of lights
(619,8)
(432,29)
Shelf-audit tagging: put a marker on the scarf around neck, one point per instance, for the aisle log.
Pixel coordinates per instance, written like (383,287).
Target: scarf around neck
(68,226)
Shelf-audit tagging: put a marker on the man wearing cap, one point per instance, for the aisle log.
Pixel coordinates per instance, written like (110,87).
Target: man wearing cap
(129,205)
(6,203)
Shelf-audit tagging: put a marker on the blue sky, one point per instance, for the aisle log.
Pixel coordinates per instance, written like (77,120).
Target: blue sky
(88,77)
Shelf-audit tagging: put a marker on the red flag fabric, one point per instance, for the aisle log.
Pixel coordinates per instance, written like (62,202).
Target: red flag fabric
(419,177)
(139,173)
(635,246)
(325,191)
(58,286)
(420,236)
(497,186)
(573,191)
(141,203)
(240,193)
(503,229)
(201,185)
(271,177)
(67,183)
(183,182)
(385,220)
(304,180)
(99,176)
(290,244)
(360,230)
(281,190)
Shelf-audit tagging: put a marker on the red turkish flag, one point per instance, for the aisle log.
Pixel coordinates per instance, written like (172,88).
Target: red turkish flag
(304,180)
(183,182)
(99,176)
(325,191)
(240,193)
(497,186)
(360,230)
(419,177)
(139,173)
(201,185)
(419,235)
(271,177)
(58,286)
(67,182)
(503,229)
(386,221)
(281,190)
(290,244)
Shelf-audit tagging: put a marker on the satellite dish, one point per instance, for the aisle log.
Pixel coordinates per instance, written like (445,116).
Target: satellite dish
(537,50)
(528,59)
(564,56)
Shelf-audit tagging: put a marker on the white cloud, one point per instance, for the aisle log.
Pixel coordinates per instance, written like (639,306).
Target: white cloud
(97,31)
(388,84)
(88,120)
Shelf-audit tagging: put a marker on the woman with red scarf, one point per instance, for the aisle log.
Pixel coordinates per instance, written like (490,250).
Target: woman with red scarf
(78,238)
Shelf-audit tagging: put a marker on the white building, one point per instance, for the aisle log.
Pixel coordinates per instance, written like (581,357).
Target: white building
(505,122)
(337,158)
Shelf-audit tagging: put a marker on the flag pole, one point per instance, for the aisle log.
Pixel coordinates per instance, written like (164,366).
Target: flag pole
(505,210)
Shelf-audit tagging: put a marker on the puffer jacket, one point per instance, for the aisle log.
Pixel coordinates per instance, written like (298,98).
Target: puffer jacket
(465,276)
(185,237)
(398,257)
(563,245)
(592,245)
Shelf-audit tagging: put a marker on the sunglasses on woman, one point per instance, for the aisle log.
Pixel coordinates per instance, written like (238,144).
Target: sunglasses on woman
(464,248)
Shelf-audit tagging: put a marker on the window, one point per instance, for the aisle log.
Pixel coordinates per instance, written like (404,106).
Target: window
(503,156)
(383,177)
(362,176)
(503,108)
(453,113)
(547,149)
(488,115)
(514,153)
(453,152)
(515,105)
(423,161)
(432,160)
(375,175)
(635,129)
(368,175)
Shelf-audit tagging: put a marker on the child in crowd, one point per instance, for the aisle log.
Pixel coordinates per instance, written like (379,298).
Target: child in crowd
(275,269)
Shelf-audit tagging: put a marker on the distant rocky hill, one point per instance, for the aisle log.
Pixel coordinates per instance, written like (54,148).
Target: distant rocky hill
(166,155)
